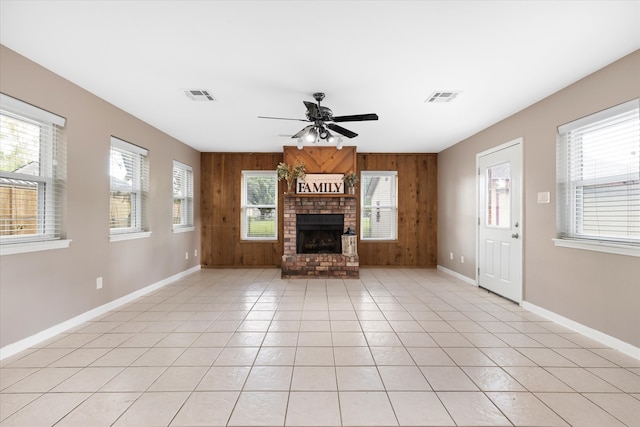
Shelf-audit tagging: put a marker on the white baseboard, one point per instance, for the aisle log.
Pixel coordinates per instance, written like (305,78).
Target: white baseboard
(594,334)
(457,275)
(11,349)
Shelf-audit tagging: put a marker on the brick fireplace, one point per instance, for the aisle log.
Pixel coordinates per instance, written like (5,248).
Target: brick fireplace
(324,257)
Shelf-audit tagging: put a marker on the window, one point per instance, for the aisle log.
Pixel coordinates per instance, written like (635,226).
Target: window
(129,189)
(598,167)
(259,205)
(379,206)
(182,197)
(498,196)
(32,175)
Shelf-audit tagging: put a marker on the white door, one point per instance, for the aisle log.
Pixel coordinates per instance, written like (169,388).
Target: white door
(500,220)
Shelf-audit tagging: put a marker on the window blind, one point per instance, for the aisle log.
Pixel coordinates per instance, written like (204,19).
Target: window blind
(598,175)
(379,207)
(32,173)
(182,195)
(129,177)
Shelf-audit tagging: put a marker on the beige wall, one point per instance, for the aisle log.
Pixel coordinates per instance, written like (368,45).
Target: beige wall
(601,291)
(39,290)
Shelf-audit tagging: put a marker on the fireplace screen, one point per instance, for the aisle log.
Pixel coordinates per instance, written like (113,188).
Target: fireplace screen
(319,233)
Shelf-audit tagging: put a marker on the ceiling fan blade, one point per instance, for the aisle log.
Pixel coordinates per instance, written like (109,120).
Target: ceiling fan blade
(356,118)
(341,130)
(282,118)
(302,132)
(312,109)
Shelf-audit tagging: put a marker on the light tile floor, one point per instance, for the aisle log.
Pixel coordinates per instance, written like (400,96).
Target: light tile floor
(409,347)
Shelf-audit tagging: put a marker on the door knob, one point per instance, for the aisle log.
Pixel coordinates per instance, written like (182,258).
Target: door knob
(515,235)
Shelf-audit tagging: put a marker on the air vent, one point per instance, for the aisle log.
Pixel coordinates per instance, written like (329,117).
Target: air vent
(443,96)
(199,95)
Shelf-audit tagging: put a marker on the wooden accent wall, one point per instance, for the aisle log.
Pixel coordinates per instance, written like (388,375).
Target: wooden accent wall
(322,159)
(220,209)
(417,211)
(417,208)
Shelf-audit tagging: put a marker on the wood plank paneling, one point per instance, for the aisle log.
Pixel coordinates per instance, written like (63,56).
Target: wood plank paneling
(416,245)
(208,201)
(322,159)
(221,201)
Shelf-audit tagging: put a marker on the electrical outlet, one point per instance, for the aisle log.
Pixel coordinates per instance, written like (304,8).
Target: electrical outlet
(462,259)
(195,253)
(451,256)
(186,255)
(99,283)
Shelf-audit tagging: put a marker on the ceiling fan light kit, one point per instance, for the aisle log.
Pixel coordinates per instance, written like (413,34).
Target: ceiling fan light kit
(321,117)
(312,135)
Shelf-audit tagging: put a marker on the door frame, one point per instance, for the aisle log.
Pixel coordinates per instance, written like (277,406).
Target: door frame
(518,141)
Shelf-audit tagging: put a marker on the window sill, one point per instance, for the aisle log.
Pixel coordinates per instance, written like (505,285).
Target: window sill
(607,247)
(183,229)
(21,248)
(129,236)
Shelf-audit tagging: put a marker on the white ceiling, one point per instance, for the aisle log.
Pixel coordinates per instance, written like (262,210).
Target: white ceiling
(266,57)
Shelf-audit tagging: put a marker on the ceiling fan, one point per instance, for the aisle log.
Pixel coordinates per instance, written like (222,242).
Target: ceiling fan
(323,120)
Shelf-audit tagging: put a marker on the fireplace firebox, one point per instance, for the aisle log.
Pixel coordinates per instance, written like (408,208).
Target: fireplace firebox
(319,233)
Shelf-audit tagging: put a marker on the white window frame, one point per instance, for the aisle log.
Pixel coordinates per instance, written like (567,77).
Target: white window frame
(186,201)
(571,184)
(138,228)
(51,179)
(245,204)
(393,175)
